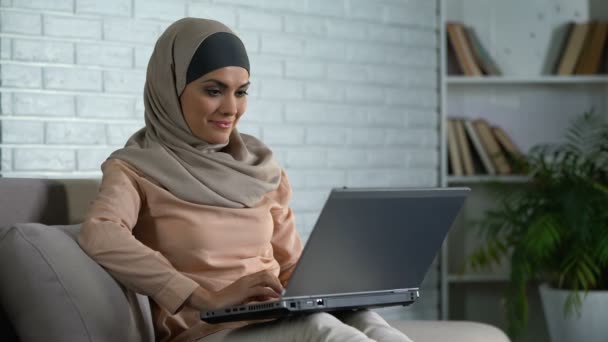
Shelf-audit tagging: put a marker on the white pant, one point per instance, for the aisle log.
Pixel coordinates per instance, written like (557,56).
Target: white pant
(352,326)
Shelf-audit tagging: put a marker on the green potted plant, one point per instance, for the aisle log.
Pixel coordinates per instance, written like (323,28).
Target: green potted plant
(554,231)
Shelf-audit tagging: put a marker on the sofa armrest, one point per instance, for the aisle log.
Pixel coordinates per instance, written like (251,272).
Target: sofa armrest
(48,273)
(453,331)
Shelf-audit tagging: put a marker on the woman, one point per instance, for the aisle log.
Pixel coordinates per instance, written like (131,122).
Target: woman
(194,214)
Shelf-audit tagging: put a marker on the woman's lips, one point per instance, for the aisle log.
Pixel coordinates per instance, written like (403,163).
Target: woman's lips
(222,124)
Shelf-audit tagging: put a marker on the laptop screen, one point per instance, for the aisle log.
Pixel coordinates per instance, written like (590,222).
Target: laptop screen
(375,240)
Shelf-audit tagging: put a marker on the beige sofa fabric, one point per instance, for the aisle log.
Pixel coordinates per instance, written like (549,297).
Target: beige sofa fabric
(57,293)
(456,331)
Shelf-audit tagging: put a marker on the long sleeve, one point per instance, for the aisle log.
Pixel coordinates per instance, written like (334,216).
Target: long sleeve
(286,242)
(107,237)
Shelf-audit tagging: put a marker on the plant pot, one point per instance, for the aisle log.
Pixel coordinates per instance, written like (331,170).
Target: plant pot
(590,326)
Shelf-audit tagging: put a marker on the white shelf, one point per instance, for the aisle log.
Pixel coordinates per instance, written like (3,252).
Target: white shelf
(507,80)
(487,179)
(477,278)
(533,106)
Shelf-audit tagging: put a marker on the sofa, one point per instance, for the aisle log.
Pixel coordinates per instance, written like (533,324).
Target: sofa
(50,290)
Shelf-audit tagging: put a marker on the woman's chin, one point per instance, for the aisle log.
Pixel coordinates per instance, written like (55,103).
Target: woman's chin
(216,140)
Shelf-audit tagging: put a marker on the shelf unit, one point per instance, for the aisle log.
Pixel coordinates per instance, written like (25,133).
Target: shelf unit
(483,179)
(488,80)
(481,278)
(532,106)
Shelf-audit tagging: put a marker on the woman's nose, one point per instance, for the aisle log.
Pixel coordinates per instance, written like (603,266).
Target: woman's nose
(229,106)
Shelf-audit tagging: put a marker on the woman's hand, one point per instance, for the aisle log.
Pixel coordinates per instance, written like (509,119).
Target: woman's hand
(258,286)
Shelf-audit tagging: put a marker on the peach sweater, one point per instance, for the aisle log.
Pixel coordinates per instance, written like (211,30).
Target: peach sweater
(161,246)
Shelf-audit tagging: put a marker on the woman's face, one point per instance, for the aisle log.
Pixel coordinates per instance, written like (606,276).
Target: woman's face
(213,104)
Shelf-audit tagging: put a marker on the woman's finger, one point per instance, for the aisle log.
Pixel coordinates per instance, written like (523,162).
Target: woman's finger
(260,291)
(270,280)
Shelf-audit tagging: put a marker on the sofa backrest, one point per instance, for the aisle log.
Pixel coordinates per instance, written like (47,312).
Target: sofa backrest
(47,201)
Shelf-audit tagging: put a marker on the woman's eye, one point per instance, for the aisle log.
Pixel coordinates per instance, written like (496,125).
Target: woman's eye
(242,93)
(213,92)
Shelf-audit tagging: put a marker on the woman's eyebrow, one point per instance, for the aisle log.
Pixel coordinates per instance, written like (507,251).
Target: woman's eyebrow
(222,84)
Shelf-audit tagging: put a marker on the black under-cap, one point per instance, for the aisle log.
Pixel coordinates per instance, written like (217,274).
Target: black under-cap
(219,50)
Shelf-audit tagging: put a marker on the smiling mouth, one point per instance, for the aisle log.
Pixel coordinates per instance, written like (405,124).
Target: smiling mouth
(222,124)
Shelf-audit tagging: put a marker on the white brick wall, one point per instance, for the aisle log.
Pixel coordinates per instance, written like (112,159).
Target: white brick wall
(75,79)
(344,91)
(107,7)
(70,26)
(36,103)
(38,50)
(104,55)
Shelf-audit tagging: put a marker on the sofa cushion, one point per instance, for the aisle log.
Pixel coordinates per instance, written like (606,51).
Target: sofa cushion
(52,291)
(454,331)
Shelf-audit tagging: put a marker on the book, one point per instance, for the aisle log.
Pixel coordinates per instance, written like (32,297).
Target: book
(505,141)
(490,144)
(464,148)
(574,46)
(481,55)
(589,61)
(513,153)
(453,153)
(603,65)
(557,44)
(452,65)
(479,149)
(462,49)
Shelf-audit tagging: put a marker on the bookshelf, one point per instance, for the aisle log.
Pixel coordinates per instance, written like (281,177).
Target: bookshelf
(477,278)
(530,103)
(507,80)
(485,179)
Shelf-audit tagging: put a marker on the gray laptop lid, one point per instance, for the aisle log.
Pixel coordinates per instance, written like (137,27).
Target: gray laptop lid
(375,240)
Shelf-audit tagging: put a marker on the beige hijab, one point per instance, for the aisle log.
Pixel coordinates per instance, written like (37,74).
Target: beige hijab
(233,175)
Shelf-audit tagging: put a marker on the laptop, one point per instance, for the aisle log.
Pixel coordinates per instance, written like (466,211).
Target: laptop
(369,248)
